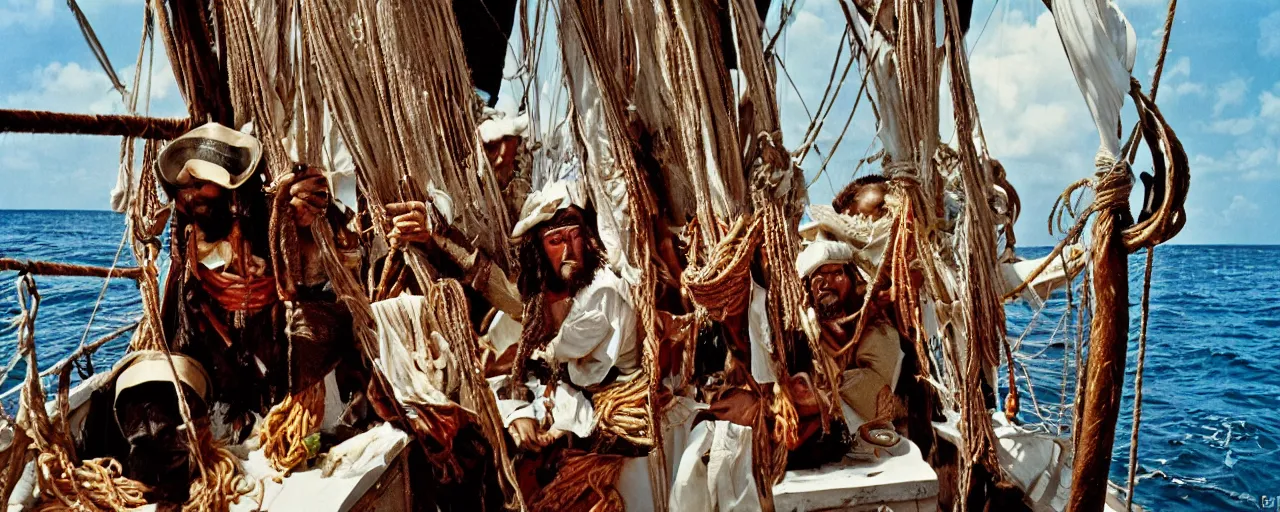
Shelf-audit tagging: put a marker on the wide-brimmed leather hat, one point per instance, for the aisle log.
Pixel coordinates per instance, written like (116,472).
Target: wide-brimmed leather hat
(144,366)
(213,153)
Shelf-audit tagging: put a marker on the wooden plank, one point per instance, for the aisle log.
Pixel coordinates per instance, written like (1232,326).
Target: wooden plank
(391,492)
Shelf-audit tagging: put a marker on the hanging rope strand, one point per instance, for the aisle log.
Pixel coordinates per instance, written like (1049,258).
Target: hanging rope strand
(1137,381)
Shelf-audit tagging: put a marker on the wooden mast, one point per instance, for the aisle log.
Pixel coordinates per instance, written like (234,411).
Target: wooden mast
(1108,344)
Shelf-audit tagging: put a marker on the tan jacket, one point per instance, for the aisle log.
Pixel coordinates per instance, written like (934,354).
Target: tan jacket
(873,371)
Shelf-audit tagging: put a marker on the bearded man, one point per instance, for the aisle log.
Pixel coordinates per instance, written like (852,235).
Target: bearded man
(870,364)
(575,397)
(579,321)
(230,316)
(225,320)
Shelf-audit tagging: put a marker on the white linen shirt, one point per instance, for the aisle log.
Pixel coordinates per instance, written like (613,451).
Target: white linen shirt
(599,332)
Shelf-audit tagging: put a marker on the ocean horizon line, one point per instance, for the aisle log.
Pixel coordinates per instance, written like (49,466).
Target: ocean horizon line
(1170,243)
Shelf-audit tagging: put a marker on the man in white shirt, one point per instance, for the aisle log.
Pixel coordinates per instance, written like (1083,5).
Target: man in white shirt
(577,394)
(579,321)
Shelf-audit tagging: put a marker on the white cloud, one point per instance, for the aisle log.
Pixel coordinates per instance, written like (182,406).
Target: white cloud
(1235,126)
(1250,161)
(1176,81)
(1186,89)
(1181,68)
(1269,108)
(1241,208)
(66,88)
(1230,93)
(37,14)
(1139,3)
(25,13)
(71,87)
(1032,113)
(71,172)
(1269,35)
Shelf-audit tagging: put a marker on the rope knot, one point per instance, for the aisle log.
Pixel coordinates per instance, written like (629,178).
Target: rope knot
(1112,187)
(902,171)
(772,169)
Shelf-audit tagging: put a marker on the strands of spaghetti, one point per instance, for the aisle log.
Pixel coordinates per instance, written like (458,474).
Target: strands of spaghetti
(621,411)
(286,427)
(222,482)
(584,483)
(92,485)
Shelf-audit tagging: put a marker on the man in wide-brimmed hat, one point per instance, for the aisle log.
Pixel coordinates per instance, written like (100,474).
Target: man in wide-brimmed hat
(134,417)
(231,316)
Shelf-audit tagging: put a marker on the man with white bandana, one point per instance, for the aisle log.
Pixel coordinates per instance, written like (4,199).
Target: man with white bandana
(577,377)
(586,321)
(870,365)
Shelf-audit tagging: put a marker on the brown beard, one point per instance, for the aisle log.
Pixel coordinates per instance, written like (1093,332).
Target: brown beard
(834,311)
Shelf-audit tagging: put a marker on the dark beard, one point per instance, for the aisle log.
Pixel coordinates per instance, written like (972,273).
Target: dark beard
(583,277)
(834,311)
(214,219)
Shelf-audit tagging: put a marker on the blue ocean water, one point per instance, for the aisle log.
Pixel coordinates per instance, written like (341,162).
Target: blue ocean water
(1210,429)
(1209,434)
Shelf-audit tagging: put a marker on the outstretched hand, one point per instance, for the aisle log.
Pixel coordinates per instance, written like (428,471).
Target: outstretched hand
(309,196)
(803,394)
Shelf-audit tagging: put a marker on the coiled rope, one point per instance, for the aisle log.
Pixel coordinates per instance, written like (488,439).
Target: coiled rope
(92,485)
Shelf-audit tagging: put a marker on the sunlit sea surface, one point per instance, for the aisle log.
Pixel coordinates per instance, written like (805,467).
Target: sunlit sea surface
(1211,407)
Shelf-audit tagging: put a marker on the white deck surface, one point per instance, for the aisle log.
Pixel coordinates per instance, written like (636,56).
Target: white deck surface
(905,480)
(311,491)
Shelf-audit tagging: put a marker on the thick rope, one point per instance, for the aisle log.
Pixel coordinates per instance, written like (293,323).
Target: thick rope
(1099,402)
(34,121)
(722,287)
(582,26)
(405,52)
(584,483)
(189,44)
(223,481)
(449,312)
(49,268)
(621,411)
(695,73)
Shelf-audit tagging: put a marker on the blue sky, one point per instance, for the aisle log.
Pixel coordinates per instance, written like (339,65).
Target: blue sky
(1221,93)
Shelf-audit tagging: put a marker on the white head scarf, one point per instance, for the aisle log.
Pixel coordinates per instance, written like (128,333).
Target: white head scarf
(822,252)
(542,205)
